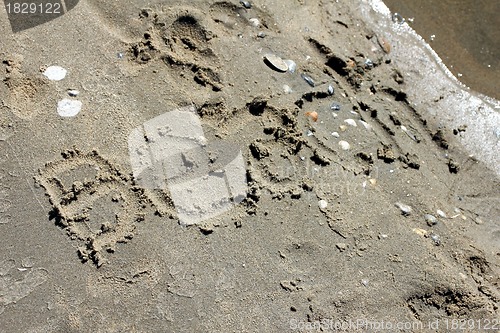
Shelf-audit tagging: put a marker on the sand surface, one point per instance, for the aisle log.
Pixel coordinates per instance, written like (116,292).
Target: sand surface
(130,215)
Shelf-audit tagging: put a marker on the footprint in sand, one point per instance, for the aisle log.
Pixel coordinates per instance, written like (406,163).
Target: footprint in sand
(12,287)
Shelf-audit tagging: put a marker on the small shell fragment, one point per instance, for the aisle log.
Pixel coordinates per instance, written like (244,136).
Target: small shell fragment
(441,213)
(431,220)
(55,73)
(405,209)
(287,89)
(384,44)
(275,62)
(420,232)
(292,66)
(335,106)
(313,115)
(308,79)
(254,22)
(330,90)
(322,204)
(246,4)
(336,134)
(343,128)
(351,122)
(366,125)
(344,145)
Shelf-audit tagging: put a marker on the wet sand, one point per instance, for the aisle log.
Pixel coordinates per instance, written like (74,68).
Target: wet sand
(373,212)
(467,37)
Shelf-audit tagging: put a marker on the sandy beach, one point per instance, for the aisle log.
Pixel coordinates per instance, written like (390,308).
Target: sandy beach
(227,166)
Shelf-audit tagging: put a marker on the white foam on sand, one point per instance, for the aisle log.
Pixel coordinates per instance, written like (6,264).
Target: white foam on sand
(431,86)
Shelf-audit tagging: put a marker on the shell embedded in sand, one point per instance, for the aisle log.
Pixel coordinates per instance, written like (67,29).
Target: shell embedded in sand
(313,115)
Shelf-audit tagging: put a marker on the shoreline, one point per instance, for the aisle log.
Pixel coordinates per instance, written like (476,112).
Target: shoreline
(457,104)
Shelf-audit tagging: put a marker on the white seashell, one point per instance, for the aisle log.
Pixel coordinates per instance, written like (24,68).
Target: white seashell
(68,107)
(335,134)
(344,145)
(351,122)
(275,62)
(55,73)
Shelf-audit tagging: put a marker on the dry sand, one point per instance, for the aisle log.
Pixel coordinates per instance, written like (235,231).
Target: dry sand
(320,236)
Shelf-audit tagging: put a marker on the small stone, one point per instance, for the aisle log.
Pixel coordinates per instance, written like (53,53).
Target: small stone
(261,34)
(335,106)
(453,166)
(322,204)
(405,209)
(344,145)
(431,220)
(330,90)
(73,92)
(369,63)
(275,62)
(341,246)
(55,73)
(436,239)
(343,128)
(335,134)
(365,282)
